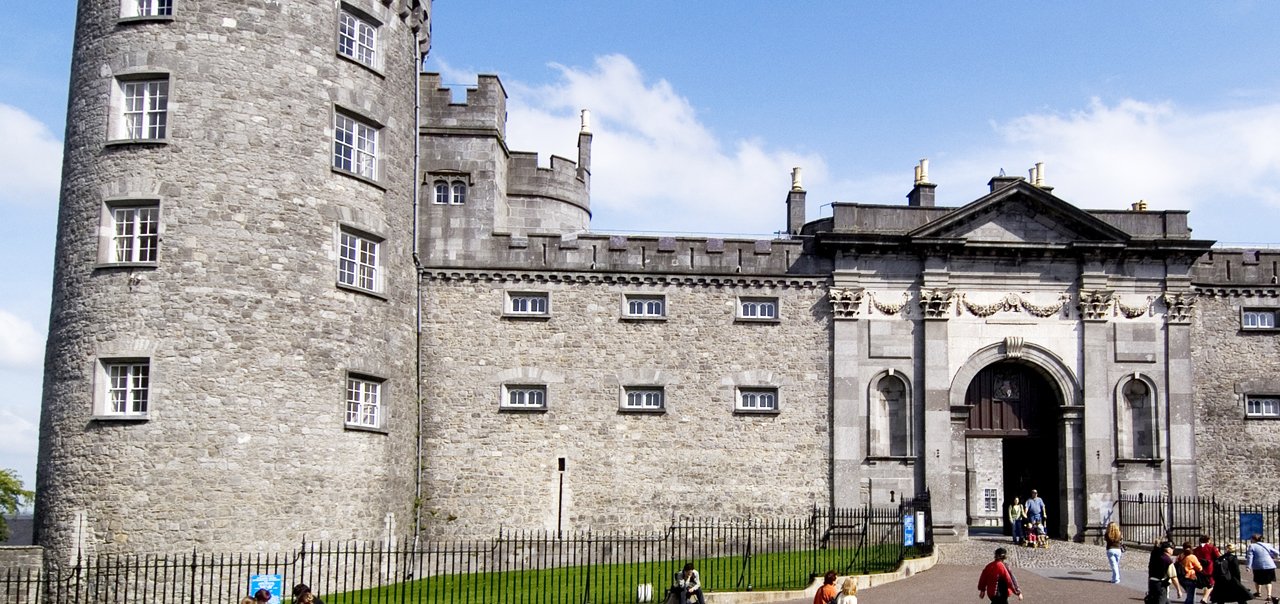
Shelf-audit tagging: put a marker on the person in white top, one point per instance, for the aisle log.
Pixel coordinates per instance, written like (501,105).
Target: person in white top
(848,592)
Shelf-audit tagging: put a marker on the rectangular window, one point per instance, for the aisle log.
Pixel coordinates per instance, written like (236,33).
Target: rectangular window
(135,233)
(758,309)
(355,146)
(128,387)
(358,262)
(1258,318)
(358,39)
(144,109)
(644,306)
(528,304)
(989,502)
(1262,406)
(757,399)
(364,402)
(646,398)
(524,397)
(146,8)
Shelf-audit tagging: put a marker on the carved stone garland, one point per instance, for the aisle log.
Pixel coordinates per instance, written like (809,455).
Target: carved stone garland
(845,302)
(1047,310)
(1133,312)
(887,308)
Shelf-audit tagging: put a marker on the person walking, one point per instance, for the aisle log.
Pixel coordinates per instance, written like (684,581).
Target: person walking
(1160,573)
(1189,569)
(996,582)
(1226,579)
(1261,560)
(1016,514)
(1035,508)
(1115,548)
(1207,553)
(848,592)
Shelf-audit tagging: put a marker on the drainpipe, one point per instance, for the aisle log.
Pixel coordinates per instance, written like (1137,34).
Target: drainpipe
(417,275)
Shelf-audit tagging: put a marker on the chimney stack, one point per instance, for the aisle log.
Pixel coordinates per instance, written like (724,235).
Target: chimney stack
(584,148)
(795,204)
(922,194)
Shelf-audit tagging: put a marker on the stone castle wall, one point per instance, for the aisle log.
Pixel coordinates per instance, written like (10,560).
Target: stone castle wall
(248,338)
(487,468)
(1237,456)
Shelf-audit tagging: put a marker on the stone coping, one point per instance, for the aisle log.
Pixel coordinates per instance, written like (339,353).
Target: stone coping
(908,568)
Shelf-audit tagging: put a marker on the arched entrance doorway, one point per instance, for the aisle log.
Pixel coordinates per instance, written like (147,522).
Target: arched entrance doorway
(1013,444)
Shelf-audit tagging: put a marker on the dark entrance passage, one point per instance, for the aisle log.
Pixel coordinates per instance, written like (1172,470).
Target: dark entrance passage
(1015,403)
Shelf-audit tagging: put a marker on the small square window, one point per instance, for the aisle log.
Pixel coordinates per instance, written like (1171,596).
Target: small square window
(364,402)
(141,109)
(126,389)
(358,39)
(528,304)
(1258,318)
(758,309)
(134,232)
(355,146)
(359,261)
(643,398)
(989,502)
(146,8)
(524,397)
(757,400)
(1262,406)
(636,306)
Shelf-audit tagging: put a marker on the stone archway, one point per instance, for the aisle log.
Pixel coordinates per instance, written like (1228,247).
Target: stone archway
(1060,413)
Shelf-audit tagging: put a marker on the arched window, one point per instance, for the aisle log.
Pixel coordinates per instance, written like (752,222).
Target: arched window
(890,418)
(459,193)
(1136,420)
(442,192)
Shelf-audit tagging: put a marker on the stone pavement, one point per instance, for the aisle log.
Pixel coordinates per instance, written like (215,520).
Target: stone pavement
(1064,572)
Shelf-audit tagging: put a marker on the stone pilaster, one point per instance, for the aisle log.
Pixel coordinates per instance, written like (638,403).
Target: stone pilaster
(848,416)
(1182,422)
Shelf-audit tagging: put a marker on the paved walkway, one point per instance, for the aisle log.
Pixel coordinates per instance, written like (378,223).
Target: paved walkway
(1065,572)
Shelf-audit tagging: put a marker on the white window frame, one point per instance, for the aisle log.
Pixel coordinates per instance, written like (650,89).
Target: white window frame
(124,390)
(355,145)
(647,399)
(359,260)
(132,232)
(142,9)
(990,501)
(1262,406)
(524,397)
(358,38)
(757,399)
(649,307)
(1261,319)
(451,192)
(527,304)
(365,401)
(140,108)
(756,308)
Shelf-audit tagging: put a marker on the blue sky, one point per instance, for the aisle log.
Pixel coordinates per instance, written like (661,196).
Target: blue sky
(700,109)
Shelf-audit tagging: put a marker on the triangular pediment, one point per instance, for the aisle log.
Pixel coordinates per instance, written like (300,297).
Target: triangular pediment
(1020,213)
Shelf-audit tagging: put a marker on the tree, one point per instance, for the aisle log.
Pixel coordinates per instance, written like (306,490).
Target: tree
(12,496)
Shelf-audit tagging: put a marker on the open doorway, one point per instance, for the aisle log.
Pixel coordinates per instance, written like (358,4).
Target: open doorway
(1013,445)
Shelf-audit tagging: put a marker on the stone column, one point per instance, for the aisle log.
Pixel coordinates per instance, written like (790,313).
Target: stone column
(1072,438)
(943,455)
(848,418)
(1096,450)
(1181,439)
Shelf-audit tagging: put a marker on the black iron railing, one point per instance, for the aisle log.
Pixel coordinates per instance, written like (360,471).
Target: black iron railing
(1146,520)
(532,567)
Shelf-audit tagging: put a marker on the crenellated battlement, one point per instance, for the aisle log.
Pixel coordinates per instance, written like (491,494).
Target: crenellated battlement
(562,181)
(484,109)
(1238,266)
(417,15)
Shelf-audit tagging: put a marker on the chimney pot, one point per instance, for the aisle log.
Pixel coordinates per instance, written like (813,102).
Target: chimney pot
(586,122)
(796,185)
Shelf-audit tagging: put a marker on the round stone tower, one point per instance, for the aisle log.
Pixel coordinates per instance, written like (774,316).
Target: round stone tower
(231,355)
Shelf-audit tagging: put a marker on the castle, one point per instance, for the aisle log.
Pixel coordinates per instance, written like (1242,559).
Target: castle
(300,291)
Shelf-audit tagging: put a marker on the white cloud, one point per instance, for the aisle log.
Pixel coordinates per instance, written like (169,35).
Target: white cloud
(21,345)
(30,160)
(655,166)
(1109,156)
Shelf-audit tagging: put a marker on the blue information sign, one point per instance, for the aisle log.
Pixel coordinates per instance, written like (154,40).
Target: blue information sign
(908,530)
(1250,524)
(271,583)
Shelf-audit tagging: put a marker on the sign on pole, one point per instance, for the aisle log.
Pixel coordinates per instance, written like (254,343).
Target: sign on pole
(908,530)
(271,583)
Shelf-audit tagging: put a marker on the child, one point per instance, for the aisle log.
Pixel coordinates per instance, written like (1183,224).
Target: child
(1042,538)
(1033,534)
